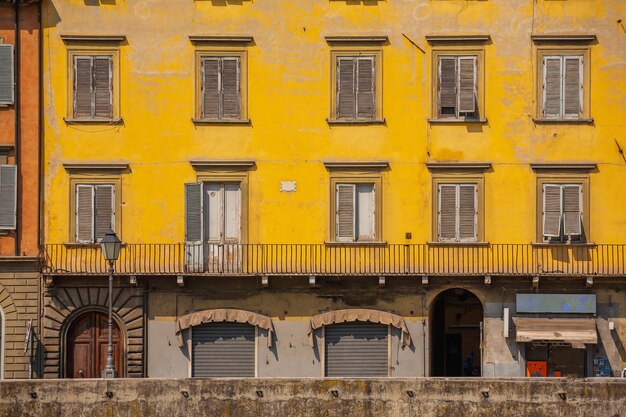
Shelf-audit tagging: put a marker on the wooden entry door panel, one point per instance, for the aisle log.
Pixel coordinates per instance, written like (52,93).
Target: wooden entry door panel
(87,341)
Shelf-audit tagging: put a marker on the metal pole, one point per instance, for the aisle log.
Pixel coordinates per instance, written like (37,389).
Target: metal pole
(109,370)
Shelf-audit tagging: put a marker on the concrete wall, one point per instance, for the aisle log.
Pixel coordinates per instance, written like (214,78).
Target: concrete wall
(314,398)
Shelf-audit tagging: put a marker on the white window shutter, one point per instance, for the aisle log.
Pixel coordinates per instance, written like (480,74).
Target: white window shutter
(210,88)
(103,86)
(447,212)
(572,87)
(467,84)
(83,87)
(214,211)
(552,91)
(104,214)
(232,212)
(345,213)
(8,196)
(552,210)
(84,213)
(7,78)
(365,217)
(447,87)
(365,88)
(346,88)
(572,212)
(468,213)
(230,88)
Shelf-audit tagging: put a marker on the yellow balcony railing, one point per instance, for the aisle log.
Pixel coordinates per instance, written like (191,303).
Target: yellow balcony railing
(338,259)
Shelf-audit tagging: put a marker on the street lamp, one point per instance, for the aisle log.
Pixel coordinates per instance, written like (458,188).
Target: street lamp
(110,245)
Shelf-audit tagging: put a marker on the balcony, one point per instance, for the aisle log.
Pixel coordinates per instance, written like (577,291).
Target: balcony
(210,259)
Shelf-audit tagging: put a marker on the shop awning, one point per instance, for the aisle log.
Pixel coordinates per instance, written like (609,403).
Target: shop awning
(578,332)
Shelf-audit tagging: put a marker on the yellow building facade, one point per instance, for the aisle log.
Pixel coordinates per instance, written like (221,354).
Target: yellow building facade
(419,139)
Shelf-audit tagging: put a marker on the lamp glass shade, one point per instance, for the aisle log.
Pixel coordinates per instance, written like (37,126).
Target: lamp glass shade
(110,245)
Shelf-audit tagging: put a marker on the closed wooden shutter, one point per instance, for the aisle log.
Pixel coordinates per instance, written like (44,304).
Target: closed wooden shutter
(83,87)
(572,213)
(366,68)
(210,88)
(230,91)
(552,87)
(8,196)
(447,87)
(346,91)
(223,350)
(356,350)
(467,84)
(345,227)
(105,210)
(573,89)
(7,83)
(84,213)
(552,210)
(447,212)
(102,86)
(193,212)
(468,213)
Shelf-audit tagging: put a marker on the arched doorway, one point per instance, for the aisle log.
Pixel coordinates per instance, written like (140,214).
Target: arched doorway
(87,342)
(456,334)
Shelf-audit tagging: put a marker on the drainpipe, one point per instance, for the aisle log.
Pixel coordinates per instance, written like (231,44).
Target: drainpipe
(40,356)
(17,113)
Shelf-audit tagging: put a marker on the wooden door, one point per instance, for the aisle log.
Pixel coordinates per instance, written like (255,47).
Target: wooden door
(87,341)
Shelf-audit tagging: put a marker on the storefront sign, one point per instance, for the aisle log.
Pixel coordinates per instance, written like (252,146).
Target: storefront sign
(556,303)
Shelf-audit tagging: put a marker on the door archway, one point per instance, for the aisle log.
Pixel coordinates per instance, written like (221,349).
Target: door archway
(87,342)
(456,334)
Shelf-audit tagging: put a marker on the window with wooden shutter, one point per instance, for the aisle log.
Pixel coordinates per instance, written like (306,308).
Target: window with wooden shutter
(458,213)
(355,212)
(356,87)
(221,88)
(562,86)
(7,83)
(94,211)
(457,87)
(562,212)
(345,212)
(572,210)
(93,87)
(8,196)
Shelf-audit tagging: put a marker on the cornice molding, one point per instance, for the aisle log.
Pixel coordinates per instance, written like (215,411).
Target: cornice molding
(458,38)
(242,39)
(96,166)
(378,165)
(242,164)
(582,166)
(482,166)
(539,37)
(356,39)
(93,38)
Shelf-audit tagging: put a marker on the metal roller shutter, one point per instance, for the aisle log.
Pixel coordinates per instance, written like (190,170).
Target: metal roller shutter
(356,350)
(223,350)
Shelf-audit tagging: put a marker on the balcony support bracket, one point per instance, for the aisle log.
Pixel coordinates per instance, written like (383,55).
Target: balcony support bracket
(180,280)
(424,279)
(487,279)
(382,281)
(265,281)
(536,281)
(589,281)
(132,280)
(312,281)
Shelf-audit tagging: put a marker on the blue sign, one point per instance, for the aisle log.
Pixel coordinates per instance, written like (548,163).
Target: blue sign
(556,303)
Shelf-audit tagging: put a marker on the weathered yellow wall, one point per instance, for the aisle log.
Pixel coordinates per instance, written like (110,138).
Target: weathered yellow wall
(288,102)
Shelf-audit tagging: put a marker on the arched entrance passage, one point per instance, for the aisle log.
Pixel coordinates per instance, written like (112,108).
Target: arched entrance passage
(87,342)
(456,334)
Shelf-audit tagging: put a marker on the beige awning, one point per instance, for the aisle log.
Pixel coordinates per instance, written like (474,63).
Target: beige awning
(224,315)
(359,314)
(578,332)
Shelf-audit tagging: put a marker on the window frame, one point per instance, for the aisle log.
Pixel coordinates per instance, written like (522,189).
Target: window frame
(221,52)
(116,182)
(357,51)
(458,51)
(544,51)
(459,178)
(356,178)
(562,179)
(74,51)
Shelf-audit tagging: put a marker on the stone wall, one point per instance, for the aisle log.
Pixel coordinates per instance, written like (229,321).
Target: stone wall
(428,397)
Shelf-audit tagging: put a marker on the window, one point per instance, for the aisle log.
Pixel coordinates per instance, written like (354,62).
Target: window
(356,86)
(457,214)
(8,197)
(562,86)
(355,212)
(356,349)
(94,211)
(562,212)
(93,87)
(456,91)
(6,74)
(221,86)
(223,350)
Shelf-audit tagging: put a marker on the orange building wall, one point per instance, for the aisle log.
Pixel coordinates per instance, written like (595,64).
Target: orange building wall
(28,204)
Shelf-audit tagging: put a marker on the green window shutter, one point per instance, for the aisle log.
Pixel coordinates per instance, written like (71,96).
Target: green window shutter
(468,213)
(552,209)
(83,87)
(210,88)
(447,87)
(346,91)
(230,88)
(193,212)
(447,213)
(8,196)
(467,84)
(366,108)
(103,86)
(552,87)
(104,216)
(345,226)
(7,78)
(84,213)
(572,213)
(573,89)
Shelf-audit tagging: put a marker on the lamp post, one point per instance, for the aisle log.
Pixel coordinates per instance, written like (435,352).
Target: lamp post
(110,245)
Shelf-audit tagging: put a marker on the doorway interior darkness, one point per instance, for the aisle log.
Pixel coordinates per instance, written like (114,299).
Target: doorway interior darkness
(456,323)
(87,341)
